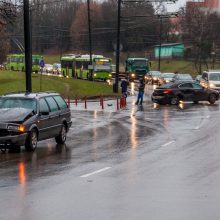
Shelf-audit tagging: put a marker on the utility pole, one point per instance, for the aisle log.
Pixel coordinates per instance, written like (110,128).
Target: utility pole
(159,55)
(27,43)
(115,85)
(90,40)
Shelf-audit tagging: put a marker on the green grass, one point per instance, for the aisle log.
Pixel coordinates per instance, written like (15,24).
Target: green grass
(15,81)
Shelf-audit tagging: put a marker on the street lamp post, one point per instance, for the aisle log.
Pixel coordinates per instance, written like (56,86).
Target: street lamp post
(27,43)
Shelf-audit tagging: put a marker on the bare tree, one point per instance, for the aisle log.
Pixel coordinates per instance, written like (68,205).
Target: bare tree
(199,31)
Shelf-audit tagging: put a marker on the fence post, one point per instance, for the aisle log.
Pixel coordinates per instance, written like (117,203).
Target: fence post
(102,103)
(85,102)
(76,101)
(117,104)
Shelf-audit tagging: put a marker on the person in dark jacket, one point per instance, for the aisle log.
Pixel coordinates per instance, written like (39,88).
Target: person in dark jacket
(141,86)
(124,87)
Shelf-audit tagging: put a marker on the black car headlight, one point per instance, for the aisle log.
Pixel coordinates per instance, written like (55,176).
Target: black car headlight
(18,128)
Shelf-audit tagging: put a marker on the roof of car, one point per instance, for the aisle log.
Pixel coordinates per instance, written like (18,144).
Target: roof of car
(30,95)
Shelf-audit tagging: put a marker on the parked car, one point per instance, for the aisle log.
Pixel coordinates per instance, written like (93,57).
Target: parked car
(26,118)
(56,68)
(48,68)
(172,93)
(211,79)
(182,77)
(166,78)
(154,77)
(198,78)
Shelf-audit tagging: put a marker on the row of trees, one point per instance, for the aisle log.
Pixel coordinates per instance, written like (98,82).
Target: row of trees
(200,34)
(62,25)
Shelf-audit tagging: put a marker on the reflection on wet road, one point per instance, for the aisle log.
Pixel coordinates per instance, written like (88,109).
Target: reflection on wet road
(164,157)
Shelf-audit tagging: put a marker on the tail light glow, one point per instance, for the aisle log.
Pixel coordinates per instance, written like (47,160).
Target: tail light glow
(167,91)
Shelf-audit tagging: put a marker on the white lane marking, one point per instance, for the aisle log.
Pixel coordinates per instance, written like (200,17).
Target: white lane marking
(197,128)
(95,172)
(164,145)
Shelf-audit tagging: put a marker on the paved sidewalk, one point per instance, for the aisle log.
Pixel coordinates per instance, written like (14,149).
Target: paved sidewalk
(110,105)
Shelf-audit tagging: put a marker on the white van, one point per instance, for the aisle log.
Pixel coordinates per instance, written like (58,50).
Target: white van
(211,79)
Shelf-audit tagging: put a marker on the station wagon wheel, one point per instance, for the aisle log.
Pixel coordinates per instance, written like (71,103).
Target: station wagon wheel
(174,100)
(212,98)
(61,138)
(31,141)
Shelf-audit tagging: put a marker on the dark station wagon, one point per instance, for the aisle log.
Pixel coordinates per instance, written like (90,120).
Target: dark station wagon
(26,118)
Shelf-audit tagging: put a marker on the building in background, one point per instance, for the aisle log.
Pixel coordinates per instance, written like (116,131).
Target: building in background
(169,51)
(211,5)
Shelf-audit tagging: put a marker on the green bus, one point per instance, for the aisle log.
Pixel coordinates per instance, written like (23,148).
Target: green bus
(16,62)
(136,68)
(78,66)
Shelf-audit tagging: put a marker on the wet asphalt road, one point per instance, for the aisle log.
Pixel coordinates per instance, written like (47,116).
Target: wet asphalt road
(156,163)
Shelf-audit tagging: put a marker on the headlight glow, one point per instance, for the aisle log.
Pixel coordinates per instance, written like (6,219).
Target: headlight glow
(132,75)
(211,85)
(94,74)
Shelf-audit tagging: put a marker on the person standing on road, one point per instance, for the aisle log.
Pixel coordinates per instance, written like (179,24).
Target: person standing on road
(124,88)
(141,86)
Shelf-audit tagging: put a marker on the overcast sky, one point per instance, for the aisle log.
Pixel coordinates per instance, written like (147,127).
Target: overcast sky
(175,6)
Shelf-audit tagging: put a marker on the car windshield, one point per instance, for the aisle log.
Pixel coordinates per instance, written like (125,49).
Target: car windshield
(13,102)
(168,75)
(185,77)
(155,73)
(214,76)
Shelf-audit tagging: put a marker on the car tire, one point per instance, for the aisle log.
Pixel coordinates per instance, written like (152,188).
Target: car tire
(212,98)
(174,100)
(61,138)
(31,141)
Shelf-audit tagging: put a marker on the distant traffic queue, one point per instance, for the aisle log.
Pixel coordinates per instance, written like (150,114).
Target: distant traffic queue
(79,66)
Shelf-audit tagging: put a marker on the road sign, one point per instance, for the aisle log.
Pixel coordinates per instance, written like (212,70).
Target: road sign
(41,63)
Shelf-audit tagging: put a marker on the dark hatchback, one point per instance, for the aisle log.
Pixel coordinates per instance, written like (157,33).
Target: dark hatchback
(172,93)
(26,118)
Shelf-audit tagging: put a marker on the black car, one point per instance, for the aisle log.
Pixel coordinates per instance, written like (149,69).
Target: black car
(182,77)
(26,118)
(172,93)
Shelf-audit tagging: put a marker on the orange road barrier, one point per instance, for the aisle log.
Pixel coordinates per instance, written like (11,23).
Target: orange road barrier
(102,102)
(117,104)
(68,102)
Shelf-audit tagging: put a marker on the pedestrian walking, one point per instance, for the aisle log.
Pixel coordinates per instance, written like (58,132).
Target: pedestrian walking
(141,86)
(124,88)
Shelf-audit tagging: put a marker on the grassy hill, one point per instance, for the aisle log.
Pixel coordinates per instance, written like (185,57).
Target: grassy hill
(15,81)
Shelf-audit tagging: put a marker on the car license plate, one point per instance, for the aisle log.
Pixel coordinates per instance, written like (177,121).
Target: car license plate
(158,97)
